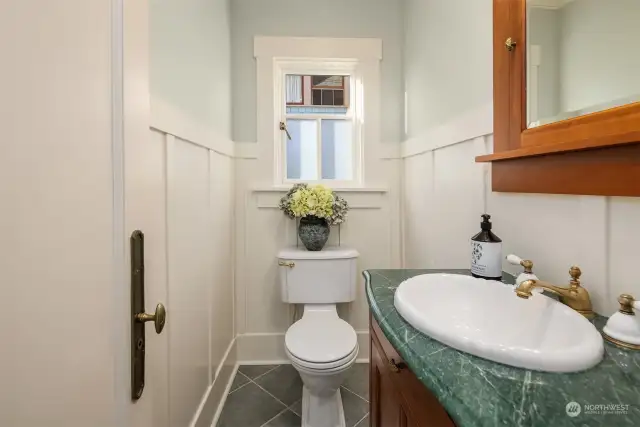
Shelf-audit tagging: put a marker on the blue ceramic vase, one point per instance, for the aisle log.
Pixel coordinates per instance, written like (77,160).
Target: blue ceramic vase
(313,232)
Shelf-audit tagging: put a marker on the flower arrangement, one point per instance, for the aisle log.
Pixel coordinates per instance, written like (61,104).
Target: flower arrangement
(318,201)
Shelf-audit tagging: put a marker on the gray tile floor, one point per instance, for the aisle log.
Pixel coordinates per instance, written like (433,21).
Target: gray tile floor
(271,396)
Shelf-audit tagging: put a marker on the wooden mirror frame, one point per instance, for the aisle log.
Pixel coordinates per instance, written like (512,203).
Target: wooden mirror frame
(594,154)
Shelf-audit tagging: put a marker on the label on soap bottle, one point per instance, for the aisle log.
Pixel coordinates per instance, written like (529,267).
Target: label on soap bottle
(486,259)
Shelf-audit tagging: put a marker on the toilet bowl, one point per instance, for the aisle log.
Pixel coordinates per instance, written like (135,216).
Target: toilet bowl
(322,347)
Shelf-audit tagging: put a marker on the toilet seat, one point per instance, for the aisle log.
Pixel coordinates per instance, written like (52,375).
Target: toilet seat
(325,368)
(321,340)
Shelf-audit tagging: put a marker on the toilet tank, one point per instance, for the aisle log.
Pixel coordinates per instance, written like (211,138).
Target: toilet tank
(323,277)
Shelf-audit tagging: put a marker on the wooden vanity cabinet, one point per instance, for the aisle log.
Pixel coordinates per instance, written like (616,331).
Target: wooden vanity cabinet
(397,397)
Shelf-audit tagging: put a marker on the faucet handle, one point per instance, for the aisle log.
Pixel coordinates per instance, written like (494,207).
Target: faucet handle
(628,303)
(516,260)
(575,274)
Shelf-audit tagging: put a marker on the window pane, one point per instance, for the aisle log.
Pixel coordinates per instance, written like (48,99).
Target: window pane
(337,150)
(293,85)
(327,81)
(317,97)
(338,97)
(302,150)
(327,97)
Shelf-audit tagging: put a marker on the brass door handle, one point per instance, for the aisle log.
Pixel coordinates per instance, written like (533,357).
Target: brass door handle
(396,367)
(158,318)
(289,264)
(510,44)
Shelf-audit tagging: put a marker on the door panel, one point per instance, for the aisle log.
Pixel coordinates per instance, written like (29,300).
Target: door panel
(144,204)
(56,197)
(386,410)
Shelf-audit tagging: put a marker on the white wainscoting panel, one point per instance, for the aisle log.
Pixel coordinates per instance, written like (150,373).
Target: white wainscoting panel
(199,225)
(262,230)
(445,192)
(190,276)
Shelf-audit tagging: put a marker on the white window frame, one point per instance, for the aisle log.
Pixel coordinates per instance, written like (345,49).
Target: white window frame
(358,57)
(354,115)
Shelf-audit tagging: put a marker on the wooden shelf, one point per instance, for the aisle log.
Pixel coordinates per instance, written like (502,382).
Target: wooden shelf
(542,150)
(610,128)
(613,171)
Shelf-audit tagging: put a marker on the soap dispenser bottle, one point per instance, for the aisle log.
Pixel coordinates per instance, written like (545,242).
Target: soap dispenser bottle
(486,252)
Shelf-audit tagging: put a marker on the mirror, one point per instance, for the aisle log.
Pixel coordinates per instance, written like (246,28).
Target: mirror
(582,57)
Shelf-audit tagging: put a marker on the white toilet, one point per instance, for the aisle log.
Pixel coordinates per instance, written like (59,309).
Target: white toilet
(321,346)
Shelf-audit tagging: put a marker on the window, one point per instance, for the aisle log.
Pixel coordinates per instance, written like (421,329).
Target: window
(320,90)
(321,132)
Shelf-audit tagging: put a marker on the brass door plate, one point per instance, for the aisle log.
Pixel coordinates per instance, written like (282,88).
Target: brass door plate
(137,306)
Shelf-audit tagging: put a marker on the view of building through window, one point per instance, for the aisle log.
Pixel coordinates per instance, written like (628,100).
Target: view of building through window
(317,90)
(320,124)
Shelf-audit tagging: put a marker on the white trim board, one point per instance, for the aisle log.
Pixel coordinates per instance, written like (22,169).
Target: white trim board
(168,119)
(268,348)
(120,333)
(214,398)
(470,125)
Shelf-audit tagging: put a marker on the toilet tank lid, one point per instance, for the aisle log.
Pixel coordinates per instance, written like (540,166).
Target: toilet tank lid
(329,252)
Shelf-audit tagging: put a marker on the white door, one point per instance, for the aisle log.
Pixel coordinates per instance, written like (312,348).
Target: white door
(78,173)
(145,209)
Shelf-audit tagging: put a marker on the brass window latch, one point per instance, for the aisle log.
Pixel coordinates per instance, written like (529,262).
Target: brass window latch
(283,127)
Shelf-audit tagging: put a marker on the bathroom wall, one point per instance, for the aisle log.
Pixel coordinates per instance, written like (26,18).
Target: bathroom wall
(446,46)
(373,227)
(189,58)
(329,18)
(191,151)
(445,191)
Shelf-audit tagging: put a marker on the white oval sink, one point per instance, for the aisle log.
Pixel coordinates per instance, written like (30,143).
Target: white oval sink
(486,318)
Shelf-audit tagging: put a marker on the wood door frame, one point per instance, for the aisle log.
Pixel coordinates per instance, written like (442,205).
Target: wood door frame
(594,154)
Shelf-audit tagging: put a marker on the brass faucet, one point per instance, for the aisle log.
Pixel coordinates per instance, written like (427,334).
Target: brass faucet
(575,296)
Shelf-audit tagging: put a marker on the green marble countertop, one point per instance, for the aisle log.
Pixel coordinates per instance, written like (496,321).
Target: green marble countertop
(478,392)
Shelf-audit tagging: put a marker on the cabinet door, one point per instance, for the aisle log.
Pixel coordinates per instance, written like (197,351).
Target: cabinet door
(386,410)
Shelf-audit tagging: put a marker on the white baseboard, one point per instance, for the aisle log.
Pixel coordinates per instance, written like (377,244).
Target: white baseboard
(215,396)
(268,348)
(225,393)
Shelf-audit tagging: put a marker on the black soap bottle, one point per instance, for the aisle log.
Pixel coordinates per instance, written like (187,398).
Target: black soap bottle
(486,252)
